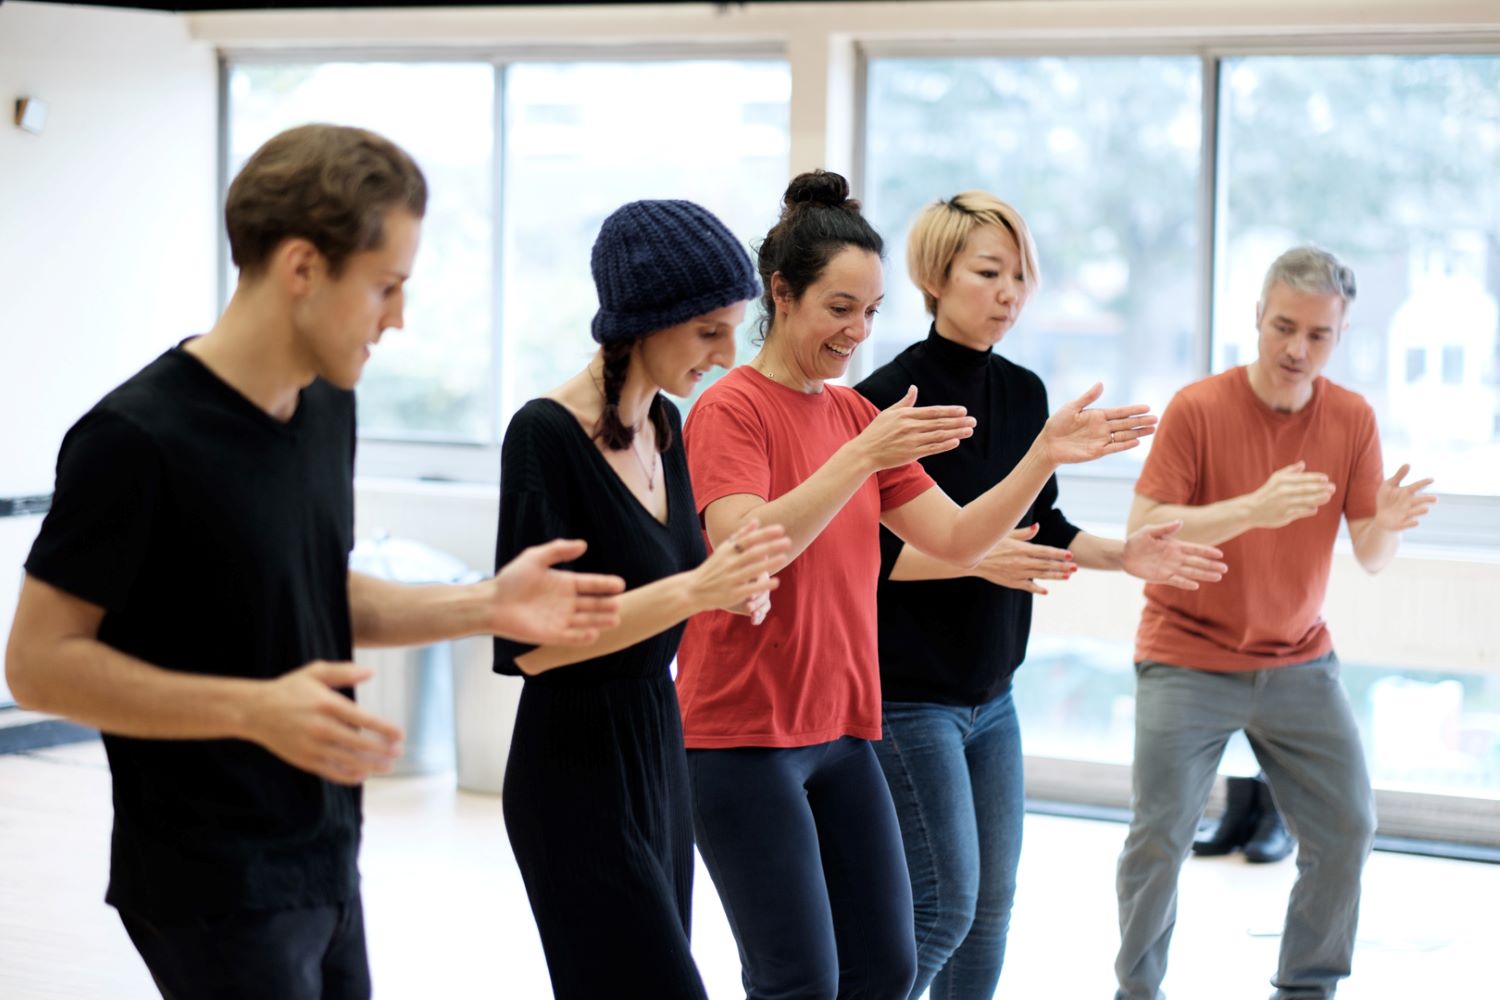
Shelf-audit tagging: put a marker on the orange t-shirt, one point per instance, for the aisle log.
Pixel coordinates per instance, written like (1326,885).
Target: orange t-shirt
(1218,440)
(810,672)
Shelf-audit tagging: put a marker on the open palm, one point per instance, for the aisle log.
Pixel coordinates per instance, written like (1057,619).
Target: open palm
(534,602)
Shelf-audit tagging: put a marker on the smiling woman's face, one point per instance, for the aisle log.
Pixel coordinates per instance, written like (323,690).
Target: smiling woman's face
(822,327)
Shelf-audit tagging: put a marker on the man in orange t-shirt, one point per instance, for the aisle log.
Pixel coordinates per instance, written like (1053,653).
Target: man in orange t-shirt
(1262,461)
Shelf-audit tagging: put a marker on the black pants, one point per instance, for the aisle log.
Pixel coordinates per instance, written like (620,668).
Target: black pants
(317,953)
(805,850)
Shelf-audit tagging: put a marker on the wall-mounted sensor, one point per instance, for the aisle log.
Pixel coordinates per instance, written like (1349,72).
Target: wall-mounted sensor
(31,114)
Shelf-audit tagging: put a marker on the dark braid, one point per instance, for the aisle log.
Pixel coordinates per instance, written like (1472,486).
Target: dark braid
(617,434)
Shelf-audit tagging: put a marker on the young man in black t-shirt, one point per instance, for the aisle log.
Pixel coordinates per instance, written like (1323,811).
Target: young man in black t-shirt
(189,593)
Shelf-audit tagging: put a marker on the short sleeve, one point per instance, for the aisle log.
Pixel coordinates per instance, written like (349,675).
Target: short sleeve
(95,537)
(726,452)
(1366,471)
(1170,474)
(902,484)
(530,513)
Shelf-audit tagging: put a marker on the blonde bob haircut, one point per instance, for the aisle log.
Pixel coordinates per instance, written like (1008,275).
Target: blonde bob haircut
(938,236)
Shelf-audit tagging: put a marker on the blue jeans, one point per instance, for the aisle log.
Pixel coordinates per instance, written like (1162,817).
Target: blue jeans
(957,779)
(1303,732)
(804,849)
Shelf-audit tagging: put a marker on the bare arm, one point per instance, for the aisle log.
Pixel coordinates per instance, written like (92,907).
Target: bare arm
(1287,495)
(55,663)
(1397,508)
(901,433)
(1016,563)
(1151,554)
(1075,433)
(734,572)
(527,600)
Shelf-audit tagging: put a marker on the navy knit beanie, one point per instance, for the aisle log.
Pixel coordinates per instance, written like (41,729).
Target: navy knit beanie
(660,263)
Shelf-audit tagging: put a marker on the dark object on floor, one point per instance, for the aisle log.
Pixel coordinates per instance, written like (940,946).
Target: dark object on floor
(1250,823)
(40,735)
(1269,841)
(1241,812)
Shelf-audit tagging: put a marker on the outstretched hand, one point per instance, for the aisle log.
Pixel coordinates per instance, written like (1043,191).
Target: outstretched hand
(736,576)
(904,432)
(1153,555)
(1398,507)
(1290,494)
(533,602)
(1018,563)
(305,720)
(1076,433)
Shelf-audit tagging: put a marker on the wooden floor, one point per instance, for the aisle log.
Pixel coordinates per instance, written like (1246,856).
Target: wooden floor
(448,919)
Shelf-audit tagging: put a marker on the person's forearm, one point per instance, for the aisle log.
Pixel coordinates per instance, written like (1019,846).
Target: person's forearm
(805,510)
(1093,552)
(914,564)
(644,612)
(1209,524)
(397,614)
(1374,546)
(979,526)
(89,682)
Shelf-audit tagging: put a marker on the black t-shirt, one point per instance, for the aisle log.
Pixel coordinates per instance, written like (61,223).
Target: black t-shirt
(958,642)
(555,483)
(216,539)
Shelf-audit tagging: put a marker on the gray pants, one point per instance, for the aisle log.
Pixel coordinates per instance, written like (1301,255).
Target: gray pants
(1300,725)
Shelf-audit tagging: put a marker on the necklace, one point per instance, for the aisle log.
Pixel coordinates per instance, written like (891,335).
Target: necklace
(648,471)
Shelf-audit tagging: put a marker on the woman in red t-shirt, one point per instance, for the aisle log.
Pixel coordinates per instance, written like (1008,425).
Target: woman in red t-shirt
(792,812)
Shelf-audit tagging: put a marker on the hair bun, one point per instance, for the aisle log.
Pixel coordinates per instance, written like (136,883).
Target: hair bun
(821,186)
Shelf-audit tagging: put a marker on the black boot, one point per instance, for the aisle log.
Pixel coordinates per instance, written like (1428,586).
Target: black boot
(1270,840)
(1241,811)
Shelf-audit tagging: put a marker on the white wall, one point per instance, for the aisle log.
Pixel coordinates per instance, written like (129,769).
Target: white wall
(108,250)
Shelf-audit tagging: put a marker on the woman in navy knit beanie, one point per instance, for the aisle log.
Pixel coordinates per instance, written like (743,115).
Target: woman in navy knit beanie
(596,790)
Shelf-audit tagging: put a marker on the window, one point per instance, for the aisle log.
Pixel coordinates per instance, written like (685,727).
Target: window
(583,139)
(431,380)
(1389,161)
(580,139)
(1427,731)
(1101,156)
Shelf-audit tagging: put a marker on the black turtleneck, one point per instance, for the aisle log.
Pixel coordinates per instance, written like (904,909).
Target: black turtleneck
(957,642)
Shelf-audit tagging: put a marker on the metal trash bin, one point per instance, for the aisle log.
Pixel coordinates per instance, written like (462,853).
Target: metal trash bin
(413,685)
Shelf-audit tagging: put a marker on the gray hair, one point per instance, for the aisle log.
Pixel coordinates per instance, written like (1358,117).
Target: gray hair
(1314,270)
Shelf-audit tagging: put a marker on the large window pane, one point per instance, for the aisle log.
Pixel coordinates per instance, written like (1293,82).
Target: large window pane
(1392,162)
(432,379)
(1101,156)
(583,139)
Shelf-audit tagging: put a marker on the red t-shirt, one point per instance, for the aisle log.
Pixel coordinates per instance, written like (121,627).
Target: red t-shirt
(809,673)
(1219,440)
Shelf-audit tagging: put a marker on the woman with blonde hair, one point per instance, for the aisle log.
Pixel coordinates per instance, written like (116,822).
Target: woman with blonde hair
(951,636)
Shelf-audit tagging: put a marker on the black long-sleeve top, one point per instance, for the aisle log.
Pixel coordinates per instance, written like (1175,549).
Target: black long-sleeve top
(958,642)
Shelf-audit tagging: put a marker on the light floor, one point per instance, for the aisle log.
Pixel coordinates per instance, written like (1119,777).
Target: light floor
(447,916)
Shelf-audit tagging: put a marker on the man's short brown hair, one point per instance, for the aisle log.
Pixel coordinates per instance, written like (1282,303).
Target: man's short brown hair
(328,184)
